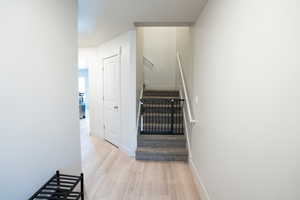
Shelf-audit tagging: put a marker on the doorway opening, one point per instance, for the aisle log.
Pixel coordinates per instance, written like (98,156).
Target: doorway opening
(83,93)
(83,98)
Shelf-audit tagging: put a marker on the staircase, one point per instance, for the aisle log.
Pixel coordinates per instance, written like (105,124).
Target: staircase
(161,136)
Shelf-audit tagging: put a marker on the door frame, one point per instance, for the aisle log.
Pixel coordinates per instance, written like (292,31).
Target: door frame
(116,52)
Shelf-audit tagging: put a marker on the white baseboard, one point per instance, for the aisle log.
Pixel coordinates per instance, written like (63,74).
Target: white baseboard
(122,148)
(91,133)
(96,133)
(196,177)
(199,184)
(127,150)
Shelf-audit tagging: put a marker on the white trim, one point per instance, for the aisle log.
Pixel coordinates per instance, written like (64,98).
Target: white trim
(91,133)
(119,54)
(187,132)
(197,179)
(202,191)
(129,152)
(97,133)
(139,24)
(186,96)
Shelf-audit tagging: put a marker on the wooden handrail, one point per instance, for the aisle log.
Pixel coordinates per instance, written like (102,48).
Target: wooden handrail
(186,97)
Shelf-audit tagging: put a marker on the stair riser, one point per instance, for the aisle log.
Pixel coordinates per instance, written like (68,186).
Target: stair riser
(159,157)
(162,93)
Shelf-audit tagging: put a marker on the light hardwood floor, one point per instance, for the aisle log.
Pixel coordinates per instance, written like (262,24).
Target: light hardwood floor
(111,174)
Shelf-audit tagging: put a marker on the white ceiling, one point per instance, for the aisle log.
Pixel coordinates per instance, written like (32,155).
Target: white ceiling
(101,20)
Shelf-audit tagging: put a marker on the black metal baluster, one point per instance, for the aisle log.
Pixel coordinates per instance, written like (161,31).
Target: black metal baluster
(155,120)
(82,186)
(149,117)
(143,117)
(176,117)
(168,116)
(181,116)
(172,116)
(58,183)
(146,128)
(165,116)
(151,121)
(58,179)
(159,117)
(140,120)
(156,117)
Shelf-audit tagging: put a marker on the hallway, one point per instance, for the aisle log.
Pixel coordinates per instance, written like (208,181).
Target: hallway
(112,175)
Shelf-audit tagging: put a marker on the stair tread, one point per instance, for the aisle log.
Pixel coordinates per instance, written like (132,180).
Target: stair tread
(161,91)
(162,137)
(161,97)
(164,150)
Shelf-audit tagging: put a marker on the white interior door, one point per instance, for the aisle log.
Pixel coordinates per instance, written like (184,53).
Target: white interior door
(111,100)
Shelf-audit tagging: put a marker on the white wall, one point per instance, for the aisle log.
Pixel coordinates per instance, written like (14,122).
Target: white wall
(39,121)
(185,50)
(246,74)
(184,47)
(139,64)
(160,48)
(86,57)
(127,42)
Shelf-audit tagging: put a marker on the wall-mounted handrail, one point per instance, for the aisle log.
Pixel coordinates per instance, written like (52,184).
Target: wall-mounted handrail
(148,62)
(186,96)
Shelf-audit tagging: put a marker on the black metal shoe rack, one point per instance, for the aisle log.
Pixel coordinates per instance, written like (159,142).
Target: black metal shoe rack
(61,187)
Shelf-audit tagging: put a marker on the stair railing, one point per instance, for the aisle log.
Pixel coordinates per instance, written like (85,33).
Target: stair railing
(148,63)
(161,116)
(185,93)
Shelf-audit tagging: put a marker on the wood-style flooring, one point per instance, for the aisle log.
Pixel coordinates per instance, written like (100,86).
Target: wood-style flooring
(111,174)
